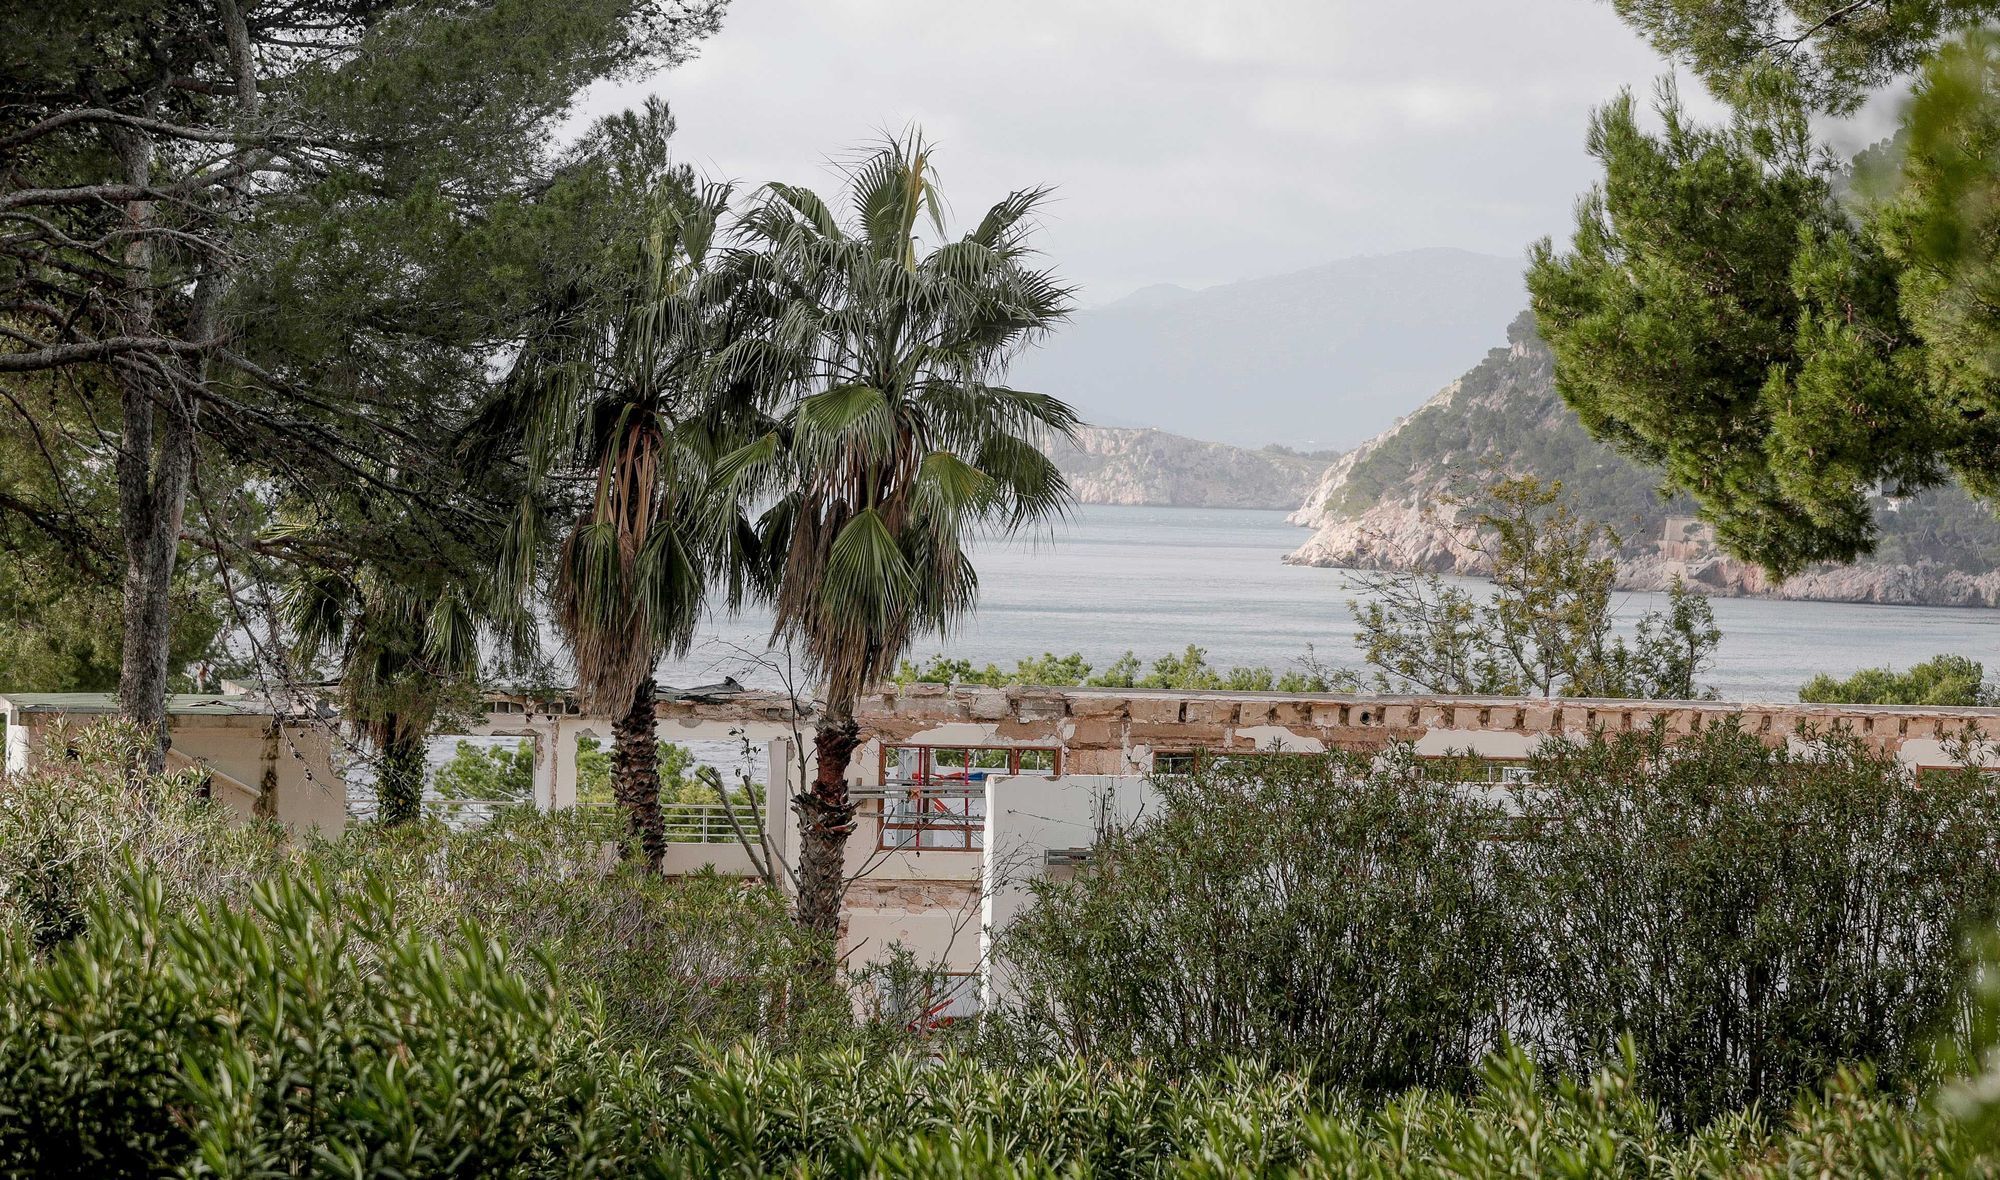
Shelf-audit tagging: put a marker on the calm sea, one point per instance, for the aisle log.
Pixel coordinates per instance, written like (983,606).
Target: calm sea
(1153,580)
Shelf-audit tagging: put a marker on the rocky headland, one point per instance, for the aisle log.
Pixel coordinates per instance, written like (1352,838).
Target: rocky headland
(1386,505)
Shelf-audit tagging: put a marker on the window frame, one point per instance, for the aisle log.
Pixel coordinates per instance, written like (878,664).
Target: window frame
(969,829)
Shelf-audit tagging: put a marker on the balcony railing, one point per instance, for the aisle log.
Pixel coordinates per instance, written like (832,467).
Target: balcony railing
(944,815)
(686,823)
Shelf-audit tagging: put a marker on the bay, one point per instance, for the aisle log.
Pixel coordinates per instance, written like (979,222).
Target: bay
(1153,580)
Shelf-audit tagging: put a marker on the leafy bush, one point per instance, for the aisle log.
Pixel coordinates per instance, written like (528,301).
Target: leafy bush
(747,1113)
(1330,914)
(311,1031)
(67,830)
(700,957)
(673,961)
(352,1009)
(1186,670)
(1940,680)
(1752,916)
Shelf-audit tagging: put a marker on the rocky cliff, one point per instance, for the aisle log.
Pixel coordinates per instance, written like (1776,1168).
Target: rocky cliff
(1116,465)
(1385,505)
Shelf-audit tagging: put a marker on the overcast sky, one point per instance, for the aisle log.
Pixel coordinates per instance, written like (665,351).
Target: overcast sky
(1190,141)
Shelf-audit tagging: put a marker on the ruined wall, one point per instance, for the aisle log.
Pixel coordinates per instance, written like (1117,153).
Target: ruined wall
(1120,731)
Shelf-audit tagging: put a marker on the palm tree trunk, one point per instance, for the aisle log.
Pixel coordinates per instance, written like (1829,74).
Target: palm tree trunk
(400,785)
(826,818)
(635,780)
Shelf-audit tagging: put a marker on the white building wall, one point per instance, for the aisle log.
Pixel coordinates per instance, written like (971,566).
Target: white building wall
(1027,817)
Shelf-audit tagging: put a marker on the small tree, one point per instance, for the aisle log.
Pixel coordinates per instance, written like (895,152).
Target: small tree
(1546,629)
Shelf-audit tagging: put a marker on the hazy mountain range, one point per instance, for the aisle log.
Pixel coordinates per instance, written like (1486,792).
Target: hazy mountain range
(1316,359)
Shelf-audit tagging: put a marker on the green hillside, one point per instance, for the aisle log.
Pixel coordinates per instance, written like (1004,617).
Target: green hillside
(1506,416)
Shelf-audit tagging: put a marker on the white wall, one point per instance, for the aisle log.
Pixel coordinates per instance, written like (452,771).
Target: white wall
(1026,817)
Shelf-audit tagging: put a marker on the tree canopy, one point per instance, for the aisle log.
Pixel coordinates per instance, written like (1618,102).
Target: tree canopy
(1790,336)
(252,247)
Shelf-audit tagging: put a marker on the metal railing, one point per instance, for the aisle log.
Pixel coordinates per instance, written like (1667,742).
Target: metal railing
(917,815)
(686,823)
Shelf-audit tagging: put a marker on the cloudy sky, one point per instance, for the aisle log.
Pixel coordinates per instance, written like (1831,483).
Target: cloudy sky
(1190,141)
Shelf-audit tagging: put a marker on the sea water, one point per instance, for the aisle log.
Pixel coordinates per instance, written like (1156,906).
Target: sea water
(1152,580)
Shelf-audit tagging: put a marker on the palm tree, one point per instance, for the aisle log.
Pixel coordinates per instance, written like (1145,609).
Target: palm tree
(614,412)
(403,649)
(897,442)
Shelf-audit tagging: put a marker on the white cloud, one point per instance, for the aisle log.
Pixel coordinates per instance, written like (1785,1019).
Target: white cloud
(1190,140)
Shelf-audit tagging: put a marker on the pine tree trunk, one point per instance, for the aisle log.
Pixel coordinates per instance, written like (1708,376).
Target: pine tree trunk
(826,819)
(400,784)
(154,464)
(635,780)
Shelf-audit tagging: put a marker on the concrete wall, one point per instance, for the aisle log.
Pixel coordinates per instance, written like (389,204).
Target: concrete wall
(259,769)
(1114,731)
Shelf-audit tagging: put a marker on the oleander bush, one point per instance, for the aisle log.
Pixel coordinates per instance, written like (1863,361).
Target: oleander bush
(68,829)
(315,1031)
(311,1030)
(671,961)
(1361,964)
(1334,915)
(1753,917)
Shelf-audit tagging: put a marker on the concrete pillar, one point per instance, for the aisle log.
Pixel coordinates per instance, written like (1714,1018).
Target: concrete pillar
(562,789)
(543,735)
(781,782)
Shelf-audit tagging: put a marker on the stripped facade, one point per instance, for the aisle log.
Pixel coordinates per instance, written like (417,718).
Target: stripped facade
(966,794)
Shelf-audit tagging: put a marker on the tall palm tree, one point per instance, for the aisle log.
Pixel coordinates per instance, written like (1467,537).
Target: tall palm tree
(615,414)
(896,444)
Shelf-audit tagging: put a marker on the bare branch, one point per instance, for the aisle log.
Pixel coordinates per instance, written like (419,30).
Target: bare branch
(57,122)
(56,355)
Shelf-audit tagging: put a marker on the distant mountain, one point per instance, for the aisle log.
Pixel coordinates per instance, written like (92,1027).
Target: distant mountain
(1385,504)
(1320,358)
(1115,465)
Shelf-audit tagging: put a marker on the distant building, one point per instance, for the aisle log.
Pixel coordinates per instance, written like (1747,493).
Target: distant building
(250,758)
(1687,540)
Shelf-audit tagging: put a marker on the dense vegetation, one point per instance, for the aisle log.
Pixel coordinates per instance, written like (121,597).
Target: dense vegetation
(1189,670)
(1751,918)
(178,994)
(1940,680)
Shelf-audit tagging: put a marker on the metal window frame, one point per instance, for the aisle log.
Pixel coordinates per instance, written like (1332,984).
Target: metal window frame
(969,829)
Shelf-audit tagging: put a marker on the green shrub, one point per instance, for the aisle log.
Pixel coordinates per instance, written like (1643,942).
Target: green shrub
(310,1031)
(1328,914)
(672,960)
(68,829)
(1752,916)
(747,1113)
(1940,680)
(1186,670)
(703,956)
